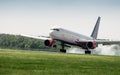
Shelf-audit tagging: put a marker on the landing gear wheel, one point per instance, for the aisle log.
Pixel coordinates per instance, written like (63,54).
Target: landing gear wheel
(63,50)
(87,52)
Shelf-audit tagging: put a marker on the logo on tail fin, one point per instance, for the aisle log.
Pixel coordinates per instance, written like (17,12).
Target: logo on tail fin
(96,28)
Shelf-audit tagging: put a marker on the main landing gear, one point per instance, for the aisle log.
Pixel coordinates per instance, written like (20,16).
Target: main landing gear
(87,52)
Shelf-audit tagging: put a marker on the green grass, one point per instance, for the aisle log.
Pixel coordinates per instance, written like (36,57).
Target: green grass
(19,62)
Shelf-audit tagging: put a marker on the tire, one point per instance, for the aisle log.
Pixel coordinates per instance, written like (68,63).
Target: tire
(63,50)
(87,52)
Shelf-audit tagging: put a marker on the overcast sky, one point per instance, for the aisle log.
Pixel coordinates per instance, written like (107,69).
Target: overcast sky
(37,17)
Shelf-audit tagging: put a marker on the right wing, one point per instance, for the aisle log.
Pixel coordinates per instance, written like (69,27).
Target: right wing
(37,37)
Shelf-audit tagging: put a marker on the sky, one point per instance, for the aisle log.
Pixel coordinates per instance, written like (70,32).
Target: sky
(37,17)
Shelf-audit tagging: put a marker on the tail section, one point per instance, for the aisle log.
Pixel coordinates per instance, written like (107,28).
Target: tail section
(96,28)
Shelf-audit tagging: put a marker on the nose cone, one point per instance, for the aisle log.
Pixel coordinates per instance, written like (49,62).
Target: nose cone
(54,32)
(51,33)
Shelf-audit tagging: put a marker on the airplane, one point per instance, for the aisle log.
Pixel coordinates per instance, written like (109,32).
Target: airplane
(69,38)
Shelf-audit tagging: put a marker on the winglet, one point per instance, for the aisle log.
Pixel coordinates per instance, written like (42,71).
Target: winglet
(96,28)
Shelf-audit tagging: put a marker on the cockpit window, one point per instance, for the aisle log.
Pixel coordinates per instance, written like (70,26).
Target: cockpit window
(55,29)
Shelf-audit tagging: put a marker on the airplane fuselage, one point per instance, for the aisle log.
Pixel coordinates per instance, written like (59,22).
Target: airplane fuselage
(68,36)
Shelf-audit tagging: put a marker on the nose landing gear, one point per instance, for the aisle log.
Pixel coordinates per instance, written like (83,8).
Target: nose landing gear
(87,52)
(63,50)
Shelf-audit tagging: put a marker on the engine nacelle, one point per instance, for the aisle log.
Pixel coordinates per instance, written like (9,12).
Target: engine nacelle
(91,45)
(48,43)
(87,45)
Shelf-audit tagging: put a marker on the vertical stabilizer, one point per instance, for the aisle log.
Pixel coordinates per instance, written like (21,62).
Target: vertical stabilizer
(96,28)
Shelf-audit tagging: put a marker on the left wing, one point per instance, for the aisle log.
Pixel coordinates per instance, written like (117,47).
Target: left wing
(107,42)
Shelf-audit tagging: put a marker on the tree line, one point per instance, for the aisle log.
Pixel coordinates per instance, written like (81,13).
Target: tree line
(20,42)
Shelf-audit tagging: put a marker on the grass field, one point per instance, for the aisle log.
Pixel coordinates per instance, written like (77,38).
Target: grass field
(19,62)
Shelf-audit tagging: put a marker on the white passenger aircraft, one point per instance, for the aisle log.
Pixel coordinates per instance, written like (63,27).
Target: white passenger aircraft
(69,38)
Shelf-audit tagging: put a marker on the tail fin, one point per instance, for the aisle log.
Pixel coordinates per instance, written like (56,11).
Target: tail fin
(96,28)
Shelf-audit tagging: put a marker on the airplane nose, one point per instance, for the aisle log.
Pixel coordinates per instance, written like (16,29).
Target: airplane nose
(51,32)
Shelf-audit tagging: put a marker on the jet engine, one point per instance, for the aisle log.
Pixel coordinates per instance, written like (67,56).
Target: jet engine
(87,45)
(48,43)
(91,45)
